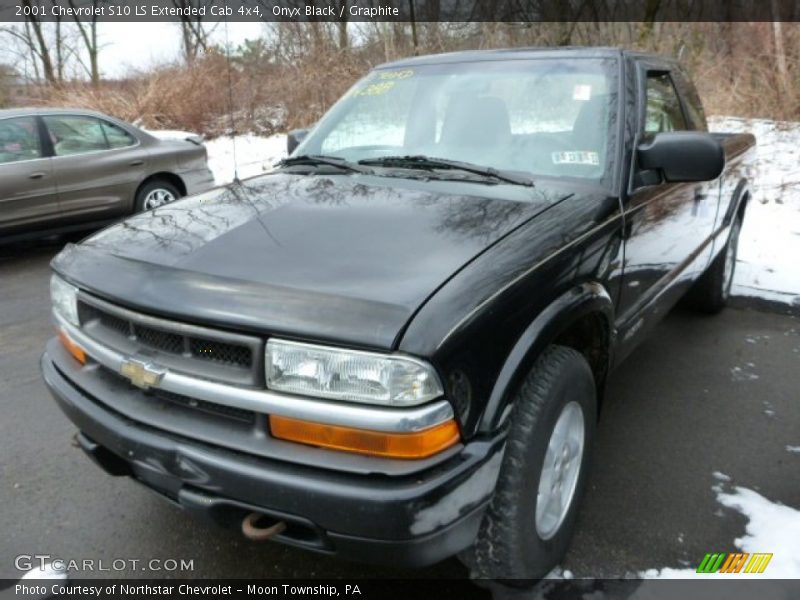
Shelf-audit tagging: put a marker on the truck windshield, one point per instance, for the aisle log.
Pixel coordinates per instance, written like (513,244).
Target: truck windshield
(540,117)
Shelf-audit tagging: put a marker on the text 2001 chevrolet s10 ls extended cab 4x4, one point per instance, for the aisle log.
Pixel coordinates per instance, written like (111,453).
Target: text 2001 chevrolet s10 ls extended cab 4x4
(394,347)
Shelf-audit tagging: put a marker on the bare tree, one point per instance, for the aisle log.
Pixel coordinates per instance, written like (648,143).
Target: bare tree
(413,20)
(341,24)
(88,33)
(35,39)
(194,32)
(780,52)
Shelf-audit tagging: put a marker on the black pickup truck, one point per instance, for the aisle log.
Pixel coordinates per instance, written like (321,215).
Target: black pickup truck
(394,346)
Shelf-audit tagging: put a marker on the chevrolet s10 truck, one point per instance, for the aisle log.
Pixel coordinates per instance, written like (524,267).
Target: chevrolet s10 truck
(394,346)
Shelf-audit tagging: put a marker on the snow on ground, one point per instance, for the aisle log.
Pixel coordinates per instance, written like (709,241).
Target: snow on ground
(770,239)
(253,155)
(771,527)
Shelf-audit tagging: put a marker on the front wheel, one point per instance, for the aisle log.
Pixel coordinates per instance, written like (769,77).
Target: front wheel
(531,518)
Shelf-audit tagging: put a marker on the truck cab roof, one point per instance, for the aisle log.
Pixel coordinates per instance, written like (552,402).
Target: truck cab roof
(521,54)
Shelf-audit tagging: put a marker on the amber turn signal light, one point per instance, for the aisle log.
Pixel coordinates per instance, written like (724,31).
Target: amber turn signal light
(418,444)
(73,348)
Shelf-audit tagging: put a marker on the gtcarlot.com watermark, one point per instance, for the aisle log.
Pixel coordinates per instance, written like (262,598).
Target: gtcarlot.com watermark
(28,562)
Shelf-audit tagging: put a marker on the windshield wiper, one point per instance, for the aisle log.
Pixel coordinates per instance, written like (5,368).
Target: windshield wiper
(430,163)
(314,160)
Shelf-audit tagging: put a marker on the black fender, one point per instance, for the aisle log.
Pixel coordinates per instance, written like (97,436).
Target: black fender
(577,302)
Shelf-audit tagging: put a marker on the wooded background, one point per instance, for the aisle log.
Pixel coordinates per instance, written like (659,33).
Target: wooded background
(293,72)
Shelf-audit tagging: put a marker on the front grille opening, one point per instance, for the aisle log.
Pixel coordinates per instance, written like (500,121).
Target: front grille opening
(87,313)
(219,410)
(229,354)
(159,340)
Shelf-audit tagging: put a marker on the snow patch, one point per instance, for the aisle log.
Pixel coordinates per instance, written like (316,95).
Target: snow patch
(771,527)
(249,154)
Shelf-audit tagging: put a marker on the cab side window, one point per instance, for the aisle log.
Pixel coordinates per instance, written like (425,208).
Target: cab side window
(663,109)
(19,140)
(76,134)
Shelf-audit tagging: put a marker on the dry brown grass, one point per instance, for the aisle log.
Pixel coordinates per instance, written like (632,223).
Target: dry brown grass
(197,97)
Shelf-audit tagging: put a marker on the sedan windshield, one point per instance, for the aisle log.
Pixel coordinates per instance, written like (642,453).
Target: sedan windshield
(540,117)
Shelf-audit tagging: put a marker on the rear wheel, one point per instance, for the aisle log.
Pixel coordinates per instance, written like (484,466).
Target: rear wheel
(531,518)
(155,194)
(711,292)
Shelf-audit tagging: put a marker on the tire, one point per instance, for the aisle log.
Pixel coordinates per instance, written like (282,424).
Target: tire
(154,194)
(710,293)
(514,542)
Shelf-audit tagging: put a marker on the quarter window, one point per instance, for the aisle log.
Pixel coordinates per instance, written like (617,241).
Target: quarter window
(117,137)
(663,111)
(19,140)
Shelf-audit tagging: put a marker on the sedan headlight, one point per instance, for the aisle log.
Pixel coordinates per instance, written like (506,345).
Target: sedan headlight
(65,299)
(349,375)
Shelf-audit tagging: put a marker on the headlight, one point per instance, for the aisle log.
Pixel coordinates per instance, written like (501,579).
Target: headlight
(65,299)
(349,375)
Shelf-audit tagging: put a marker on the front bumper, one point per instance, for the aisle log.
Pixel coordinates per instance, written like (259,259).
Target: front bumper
(413,520)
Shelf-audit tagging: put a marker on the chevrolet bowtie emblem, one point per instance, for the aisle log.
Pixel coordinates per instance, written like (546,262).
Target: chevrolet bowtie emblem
(141,374)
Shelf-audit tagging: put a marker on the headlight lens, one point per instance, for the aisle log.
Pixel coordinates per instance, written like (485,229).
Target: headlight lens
(349,375)
(65,299)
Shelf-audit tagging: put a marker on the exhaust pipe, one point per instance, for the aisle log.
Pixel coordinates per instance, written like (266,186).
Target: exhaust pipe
(252,531)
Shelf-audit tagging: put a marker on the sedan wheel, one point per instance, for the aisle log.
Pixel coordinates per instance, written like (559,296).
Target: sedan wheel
(156,193)
(158,197)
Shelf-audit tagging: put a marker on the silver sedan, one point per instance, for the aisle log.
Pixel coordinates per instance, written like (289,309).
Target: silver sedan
(63,170)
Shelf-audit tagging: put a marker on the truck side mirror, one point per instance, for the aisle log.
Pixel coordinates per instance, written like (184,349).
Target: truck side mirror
(683,156)
(294,137)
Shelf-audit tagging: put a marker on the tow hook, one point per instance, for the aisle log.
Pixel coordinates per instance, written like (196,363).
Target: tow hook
(252,531)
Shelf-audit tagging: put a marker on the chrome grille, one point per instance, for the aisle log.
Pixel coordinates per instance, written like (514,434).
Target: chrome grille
(195,350)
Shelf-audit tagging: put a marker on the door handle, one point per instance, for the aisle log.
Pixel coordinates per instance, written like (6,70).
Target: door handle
(37,175)
(136,163)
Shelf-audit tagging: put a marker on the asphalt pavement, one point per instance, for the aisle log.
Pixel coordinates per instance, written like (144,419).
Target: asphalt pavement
(703,394)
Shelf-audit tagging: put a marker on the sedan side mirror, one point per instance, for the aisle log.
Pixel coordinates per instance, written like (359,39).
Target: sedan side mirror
(294,137)
(683,156)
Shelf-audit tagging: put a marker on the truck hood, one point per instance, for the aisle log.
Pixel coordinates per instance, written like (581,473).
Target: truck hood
(339,258)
